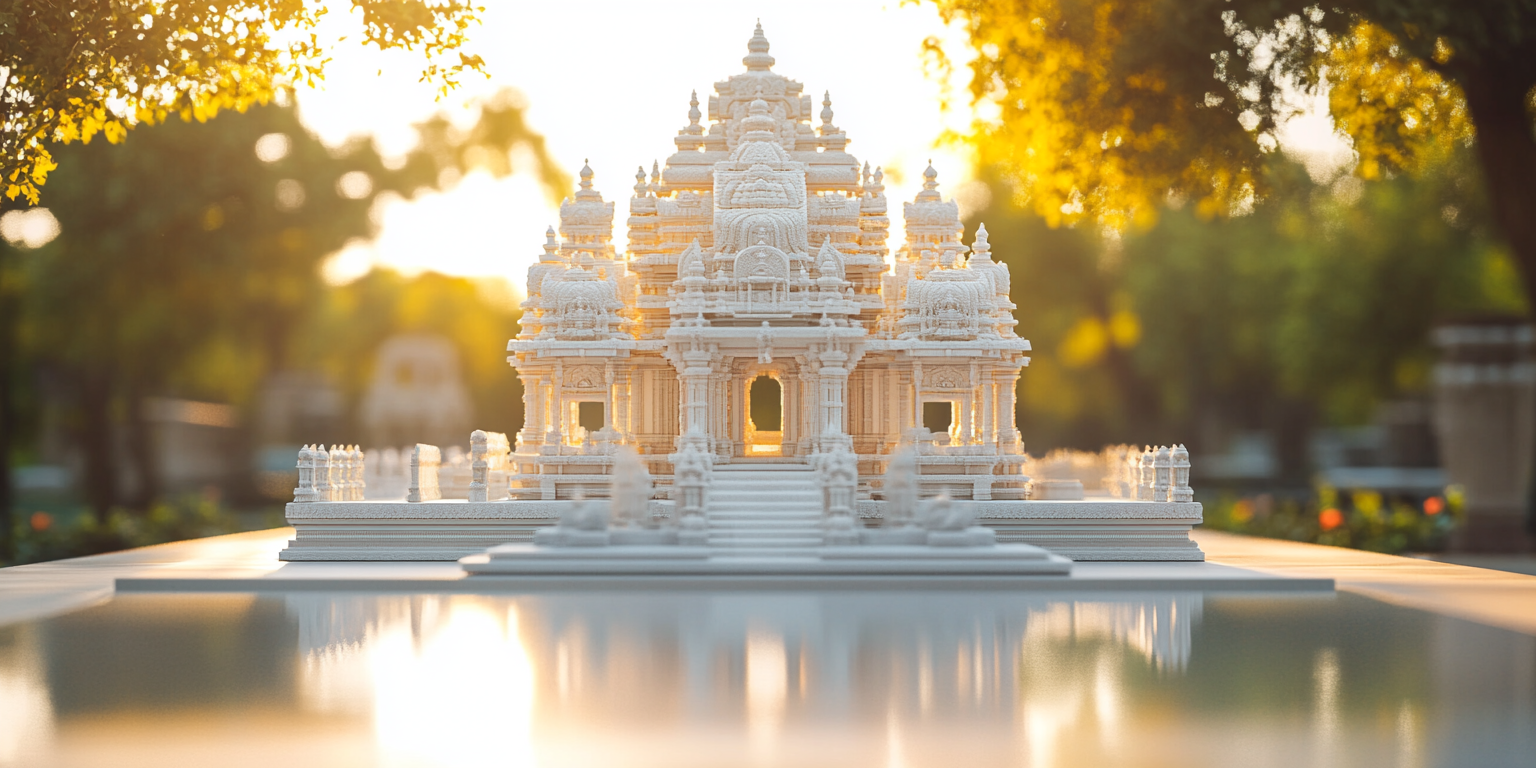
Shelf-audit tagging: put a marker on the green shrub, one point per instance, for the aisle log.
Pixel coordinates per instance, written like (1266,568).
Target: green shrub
(1360,519)
(45,536)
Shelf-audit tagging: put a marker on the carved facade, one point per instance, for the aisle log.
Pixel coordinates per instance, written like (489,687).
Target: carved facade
(757,267)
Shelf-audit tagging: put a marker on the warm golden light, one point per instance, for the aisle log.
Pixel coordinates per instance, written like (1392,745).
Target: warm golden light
(460,694)
(767,687)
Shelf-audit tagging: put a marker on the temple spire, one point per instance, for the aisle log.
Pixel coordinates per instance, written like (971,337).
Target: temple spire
(694,115)
(757,58)
(587,192)
(930,184)
(551,247)
(981,250)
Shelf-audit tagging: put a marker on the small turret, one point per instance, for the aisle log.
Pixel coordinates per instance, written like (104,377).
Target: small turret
(757,58)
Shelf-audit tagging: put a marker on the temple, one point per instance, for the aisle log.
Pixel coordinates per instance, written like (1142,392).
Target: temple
(755,314)
(755,383)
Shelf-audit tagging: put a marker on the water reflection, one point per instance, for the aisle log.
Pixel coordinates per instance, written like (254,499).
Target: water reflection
(863,678)
(26,709)
(443,670)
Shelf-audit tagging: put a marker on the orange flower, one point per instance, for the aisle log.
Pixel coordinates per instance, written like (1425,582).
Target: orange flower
(1434,505)
(41,521)
(1330,519)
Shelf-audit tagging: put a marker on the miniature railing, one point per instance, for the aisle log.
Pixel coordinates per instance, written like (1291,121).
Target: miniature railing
(425,461)
(334,475)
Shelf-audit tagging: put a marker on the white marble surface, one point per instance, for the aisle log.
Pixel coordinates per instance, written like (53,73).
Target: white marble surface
(248,562)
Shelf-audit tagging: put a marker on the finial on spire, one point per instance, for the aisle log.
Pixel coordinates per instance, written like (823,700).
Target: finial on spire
(757,58)
(930,177)
(551,247)
(980,248)
(640,188)
(586,173)
(826,109)
(694,115)
(866,173)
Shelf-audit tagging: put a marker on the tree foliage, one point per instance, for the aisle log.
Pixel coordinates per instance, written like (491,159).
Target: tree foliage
(72,69)
(1309,311)
(1107,109)
(189,254)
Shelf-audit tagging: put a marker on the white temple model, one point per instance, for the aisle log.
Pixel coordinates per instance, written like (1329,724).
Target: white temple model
(757,269)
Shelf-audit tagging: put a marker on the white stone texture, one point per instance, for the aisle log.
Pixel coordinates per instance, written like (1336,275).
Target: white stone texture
(757,249)
(425,461)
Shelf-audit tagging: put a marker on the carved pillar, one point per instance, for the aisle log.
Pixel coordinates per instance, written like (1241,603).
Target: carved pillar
(834,384)
(532,433)
(696,379)
(608,379)
(917,394)
(556,417)
(621,402)
(807,410)
(1007,412)
(988,410)
(721,416)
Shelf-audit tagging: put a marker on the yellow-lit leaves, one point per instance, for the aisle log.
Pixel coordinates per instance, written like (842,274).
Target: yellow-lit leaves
(1090,338)
(1097,114)
(1401,114)
(78,69)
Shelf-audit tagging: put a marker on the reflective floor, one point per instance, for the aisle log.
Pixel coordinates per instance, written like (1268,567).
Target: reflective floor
(914,678)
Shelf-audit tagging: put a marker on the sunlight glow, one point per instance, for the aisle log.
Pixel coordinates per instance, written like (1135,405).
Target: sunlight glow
(767,688)
(27,726)
(462,694)
(593,94)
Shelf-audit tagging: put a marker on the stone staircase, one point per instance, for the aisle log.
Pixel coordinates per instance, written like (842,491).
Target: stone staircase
(764,510)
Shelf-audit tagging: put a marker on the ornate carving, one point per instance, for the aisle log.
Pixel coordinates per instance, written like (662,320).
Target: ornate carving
(948,377)
(585,377)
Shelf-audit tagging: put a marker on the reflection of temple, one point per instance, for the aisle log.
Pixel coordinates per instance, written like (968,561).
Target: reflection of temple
(755,315)
(951,654)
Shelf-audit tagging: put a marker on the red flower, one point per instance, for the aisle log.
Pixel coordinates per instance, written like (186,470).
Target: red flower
(1434,505)
(1330,519)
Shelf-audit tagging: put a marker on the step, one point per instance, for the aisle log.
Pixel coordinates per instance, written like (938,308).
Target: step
(784,481)
(764,485)
(769,554)
(739,530)
(766,491)
(752,466)
(766,507)
(759,473)
(766,544)
(756,513)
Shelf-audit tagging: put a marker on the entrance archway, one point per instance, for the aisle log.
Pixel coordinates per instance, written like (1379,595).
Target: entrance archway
(765,417)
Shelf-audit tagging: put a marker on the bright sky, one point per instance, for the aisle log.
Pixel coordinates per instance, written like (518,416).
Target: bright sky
(609,82)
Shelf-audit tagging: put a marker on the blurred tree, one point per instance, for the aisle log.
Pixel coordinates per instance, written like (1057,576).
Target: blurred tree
(1312,308)
(1106,109)
(189,257)
(70,70)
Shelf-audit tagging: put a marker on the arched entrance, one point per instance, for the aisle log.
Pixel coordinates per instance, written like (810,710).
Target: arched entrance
(765,417)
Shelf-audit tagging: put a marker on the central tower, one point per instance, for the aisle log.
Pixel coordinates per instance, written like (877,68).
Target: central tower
(757,267)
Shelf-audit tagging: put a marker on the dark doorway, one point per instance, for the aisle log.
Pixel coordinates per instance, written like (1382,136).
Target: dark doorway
(938,417)
(766,404)
(589,416)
